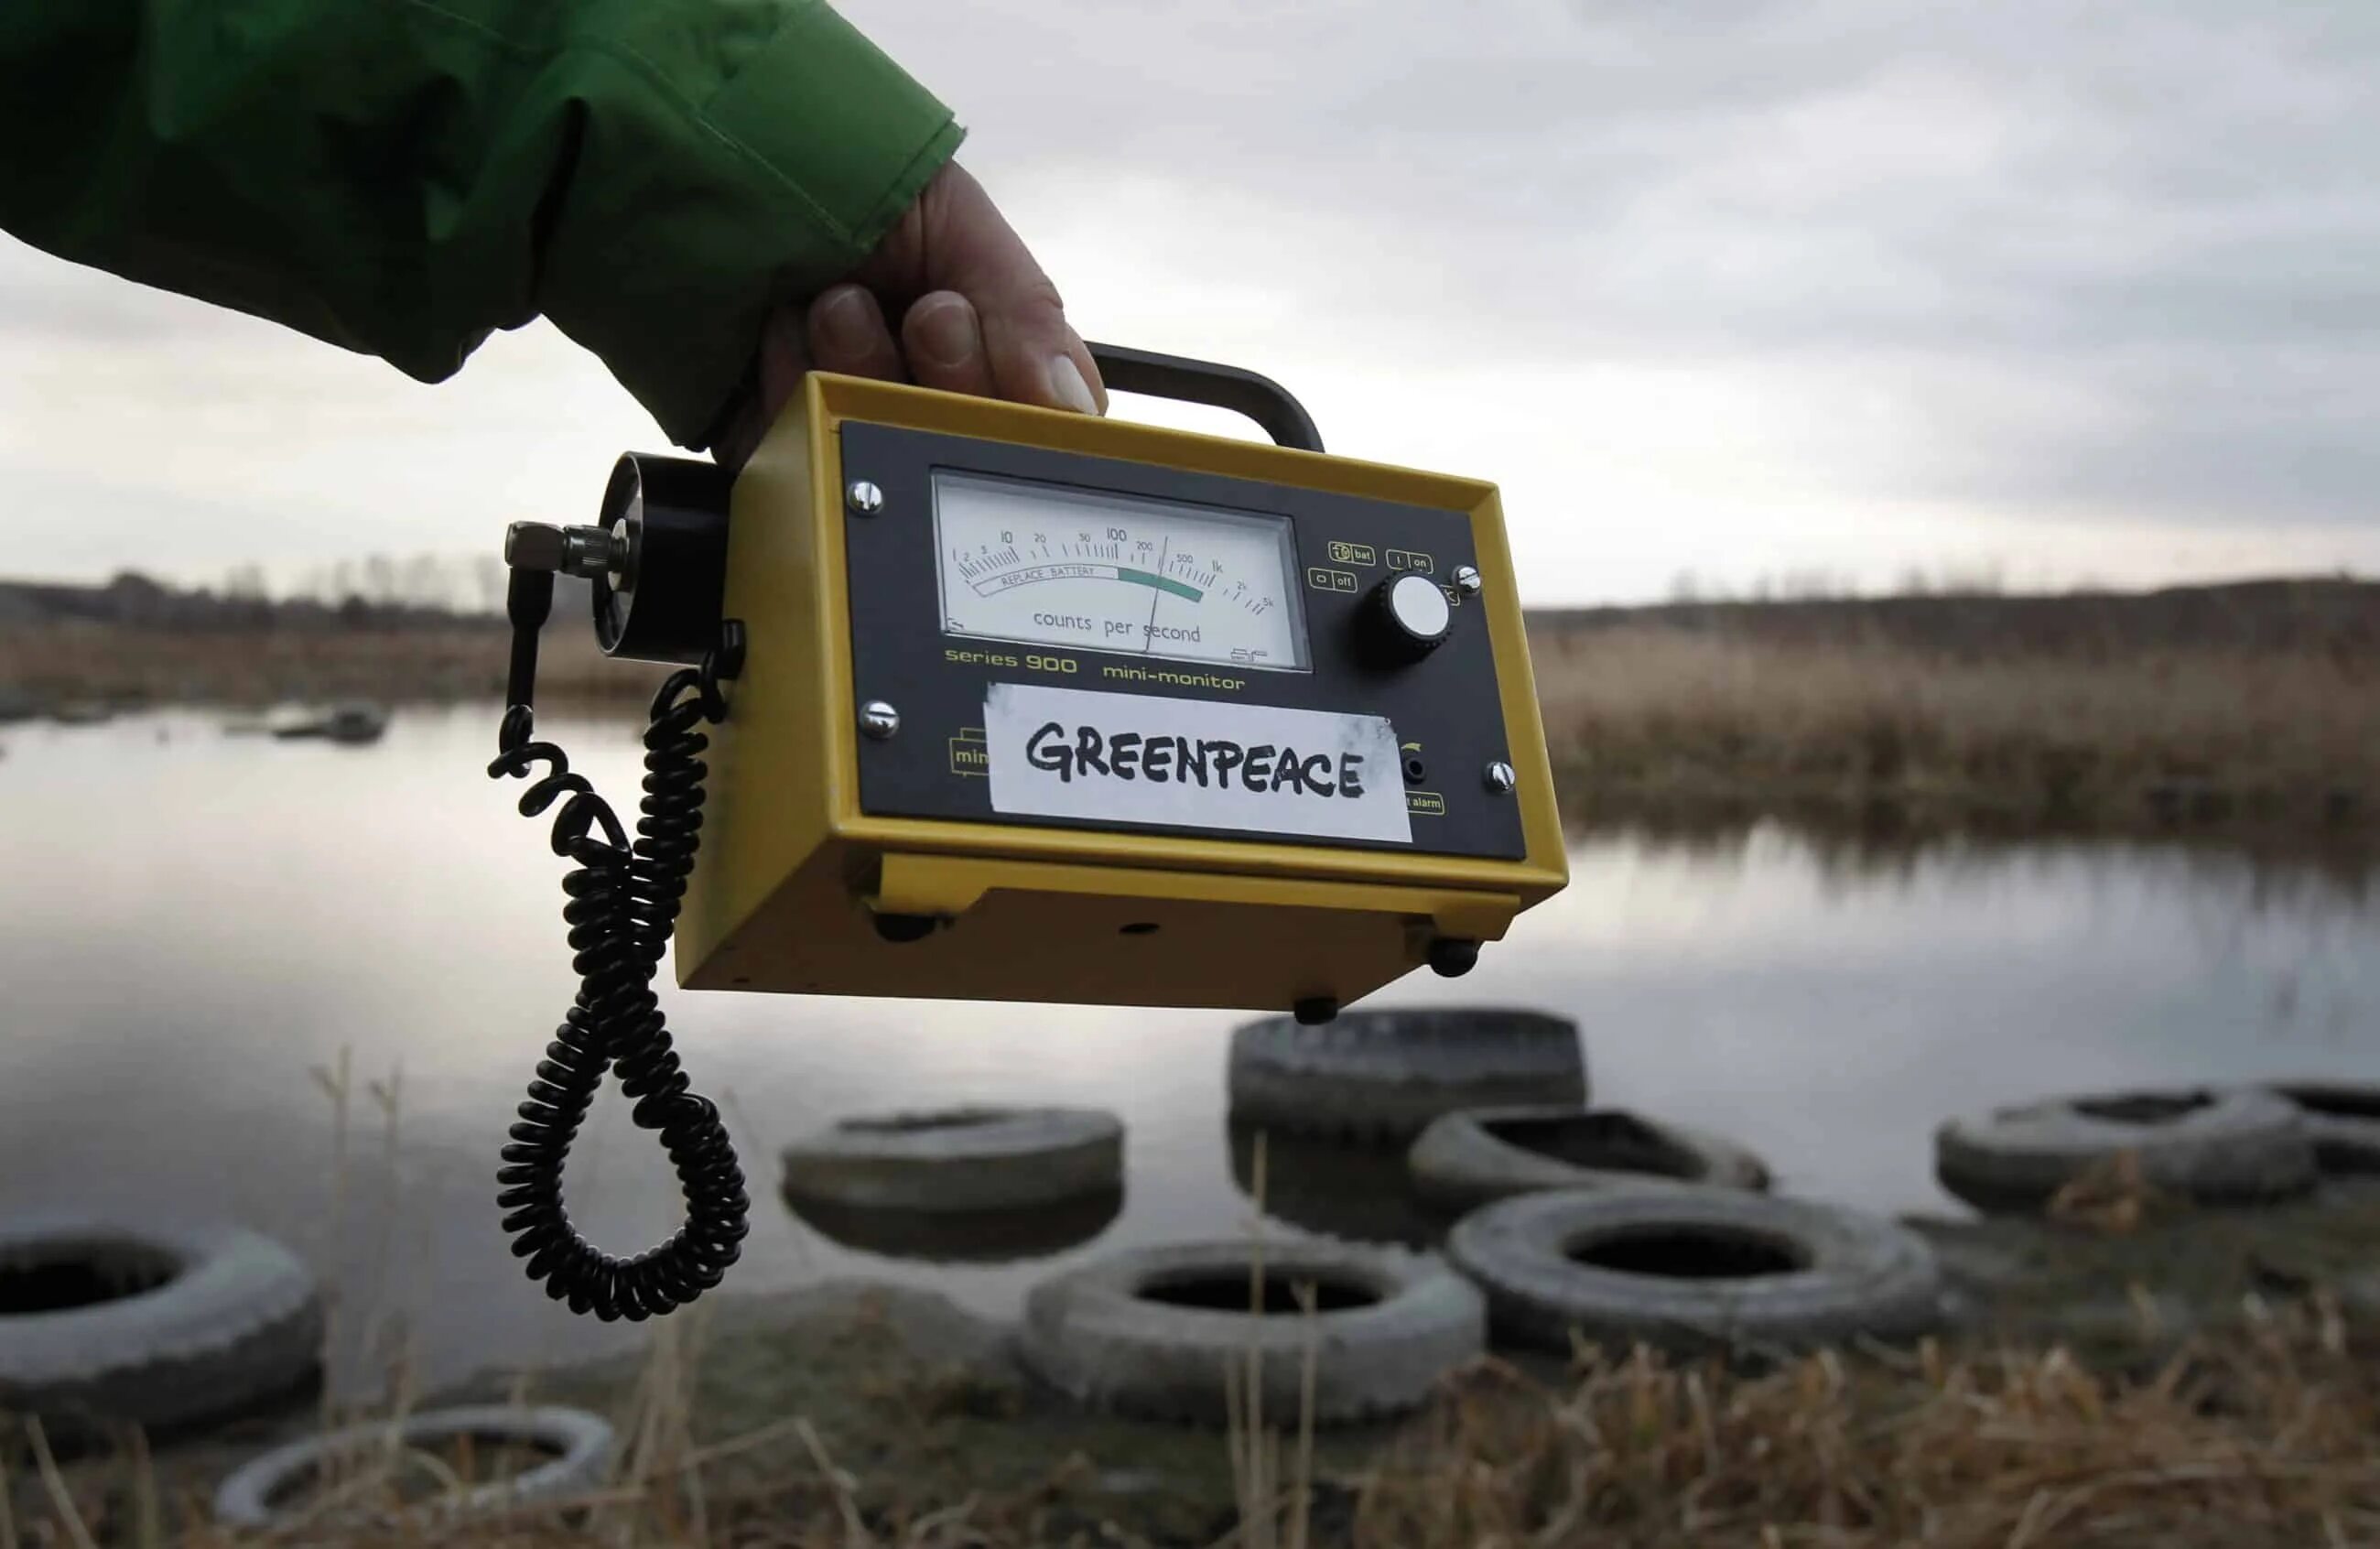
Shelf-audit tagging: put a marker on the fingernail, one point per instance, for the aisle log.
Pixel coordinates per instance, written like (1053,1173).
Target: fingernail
(842,322)
(945,334)
(1066,385)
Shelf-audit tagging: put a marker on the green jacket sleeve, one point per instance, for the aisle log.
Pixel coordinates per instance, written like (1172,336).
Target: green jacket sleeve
(403,176)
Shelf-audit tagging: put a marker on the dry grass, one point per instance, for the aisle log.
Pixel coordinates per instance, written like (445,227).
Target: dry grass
(2275,1441)
(1648,722)
(2270,1440)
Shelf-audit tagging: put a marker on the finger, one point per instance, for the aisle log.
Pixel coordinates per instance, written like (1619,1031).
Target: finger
(943,341)
(1036,356)
(848,334)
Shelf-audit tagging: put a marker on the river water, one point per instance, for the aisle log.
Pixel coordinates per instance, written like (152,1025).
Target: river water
(197,928)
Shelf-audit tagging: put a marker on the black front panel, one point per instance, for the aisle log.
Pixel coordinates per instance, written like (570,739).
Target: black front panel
(1446,702)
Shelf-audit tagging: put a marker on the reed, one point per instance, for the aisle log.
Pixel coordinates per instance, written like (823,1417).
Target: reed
(1648,722)
(2264,1440)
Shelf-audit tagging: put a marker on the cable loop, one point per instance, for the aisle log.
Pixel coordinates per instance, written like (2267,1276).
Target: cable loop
(623,903)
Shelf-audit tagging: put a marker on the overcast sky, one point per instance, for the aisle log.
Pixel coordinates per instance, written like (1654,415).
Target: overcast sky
(1740,288)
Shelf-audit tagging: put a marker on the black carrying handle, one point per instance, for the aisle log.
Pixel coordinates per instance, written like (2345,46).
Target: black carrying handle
(1187,380)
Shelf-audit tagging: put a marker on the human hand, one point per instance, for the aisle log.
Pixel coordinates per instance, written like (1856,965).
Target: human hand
(978,315)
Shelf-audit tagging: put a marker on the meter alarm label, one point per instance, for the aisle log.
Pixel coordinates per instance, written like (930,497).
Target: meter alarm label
(1193,763)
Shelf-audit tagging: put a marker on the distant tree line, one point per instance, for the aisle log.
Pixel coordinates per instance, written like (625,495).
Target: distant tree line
(2333,615)
(375,593)
(1821,585)
(438,582)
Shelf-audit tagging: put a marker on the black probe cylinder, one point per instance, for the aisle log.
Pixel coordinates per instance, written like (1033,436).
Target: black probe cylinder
(668,521)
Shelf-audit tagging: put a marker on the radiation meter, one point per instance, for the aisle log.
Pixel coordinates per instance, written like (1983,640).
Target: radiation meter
(977,701)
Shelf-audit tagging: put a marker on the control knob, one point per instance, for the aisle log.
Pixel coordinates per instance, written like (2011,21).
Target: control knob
(1404,620)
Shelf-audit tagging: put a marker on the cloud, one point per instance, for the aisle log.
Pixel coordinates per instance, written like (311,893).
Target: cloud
(146,431)
(1728,286)
(2163,220)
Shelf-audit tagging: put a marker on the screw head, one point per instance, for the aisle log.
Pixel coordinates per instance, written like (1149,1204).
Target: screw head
(1500,778)
(1467,580)
(865,497)
(879,720)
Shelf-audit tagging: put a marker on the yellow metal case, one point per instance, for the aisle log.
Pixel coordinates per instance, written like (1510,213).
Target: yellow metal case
(793,874)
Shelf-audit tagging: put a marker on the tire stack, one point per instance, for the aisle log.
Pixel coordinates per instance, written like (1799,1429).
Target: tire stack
(1610,1226)
(1572,1221)
(1336,1106)
(1351,1326)
(1601,1223)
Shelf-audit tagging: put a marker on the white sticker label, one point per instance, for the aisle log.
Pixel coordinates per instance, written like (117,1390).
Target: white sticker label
(1193,763)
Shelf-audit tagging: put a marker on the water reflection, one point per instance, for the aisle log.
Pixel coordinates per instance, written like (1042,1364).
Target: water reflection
(2300,872)
(982,1237)
(1353,1193)
(190,926)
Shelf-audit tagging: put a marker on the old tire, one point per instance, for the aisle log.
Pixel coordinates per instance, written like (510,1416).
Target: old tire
(1481,1154)
(2342,1119)
(1694,1268)
(1147,1332)
(160,1323)
(1382,1076)
(959,1159)
(2212,1147)
(259,1493)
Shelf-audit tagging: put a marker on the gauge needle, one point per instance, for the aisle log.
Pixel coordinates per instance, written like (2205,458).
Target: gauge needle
(1148,632)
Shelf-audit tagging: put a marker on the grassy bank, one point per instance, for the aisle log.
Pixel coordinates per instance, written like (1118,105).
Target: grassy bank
(2251,710)
(1655,722)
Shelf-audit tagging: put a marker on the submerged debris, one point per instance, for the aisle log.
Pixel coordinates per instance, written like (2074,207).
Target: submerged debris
(354,722)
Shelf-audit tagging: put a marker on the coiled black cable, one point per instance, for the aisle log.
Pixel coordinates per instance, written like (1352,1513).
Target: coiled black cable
(623,905)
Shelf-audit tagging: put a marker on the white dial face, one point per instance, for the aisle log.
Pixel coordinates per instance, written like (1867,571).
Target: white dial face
(1043,565)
